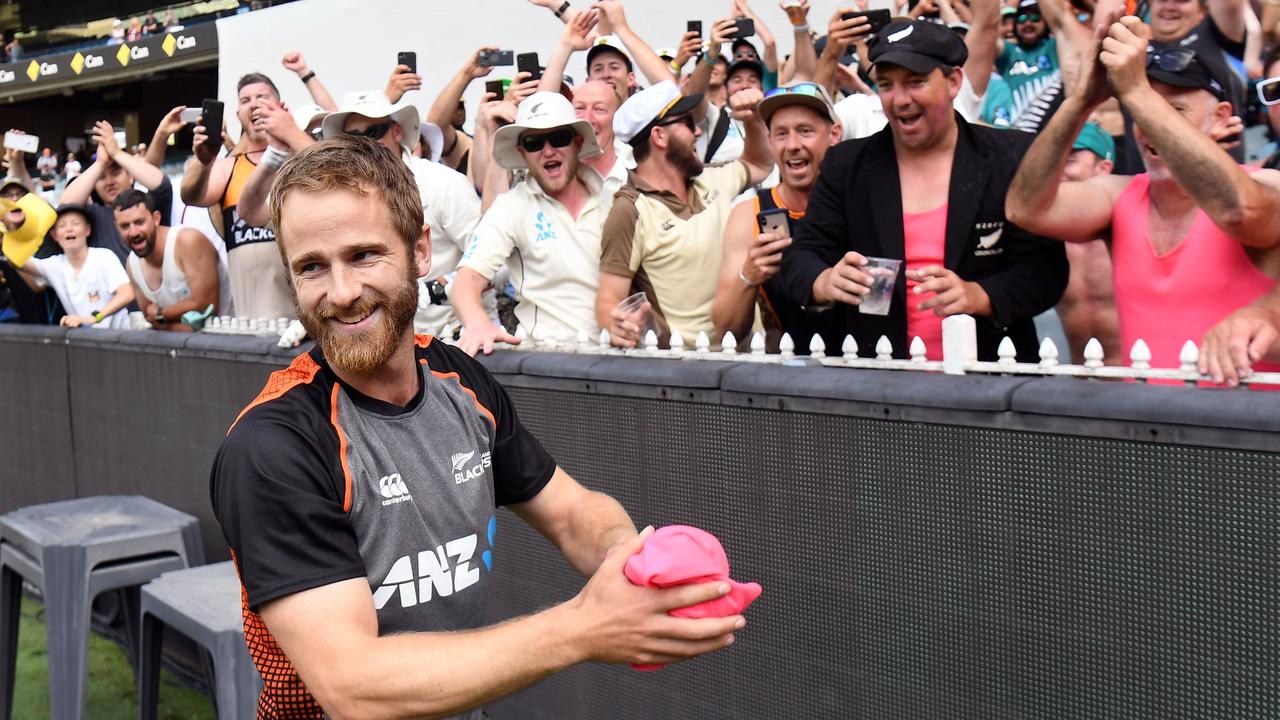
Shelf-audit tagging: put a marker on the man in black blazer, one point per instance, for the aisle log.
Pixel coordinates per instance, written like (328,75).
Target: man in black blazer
(946,180)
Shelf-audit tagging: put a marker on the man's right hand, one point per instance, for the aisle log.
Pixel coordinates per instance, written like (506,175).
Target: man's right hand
(477,336)
(845,282)
(1092,87)
(199,138)
(1230,348)
(402,80)
(578,33)
(842,33)
(520,88)
(496,114)
(618,622)
(764,258)
(104,135)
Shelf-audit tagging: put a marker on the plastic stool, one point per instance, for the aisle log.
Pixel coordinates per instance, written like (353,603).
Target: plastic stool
(202,603)
(73,550)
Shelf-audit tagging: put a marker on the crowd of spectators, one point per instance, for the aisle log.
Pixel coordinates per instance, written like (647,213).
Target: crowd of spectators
(1001,157)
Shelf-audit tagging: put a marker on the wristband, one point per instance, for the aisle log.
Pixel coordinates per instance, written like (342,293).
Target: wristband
(273,158)
(565,6)
(743,277)
(306,78)
(676,67)
(98,317)
(160,317)
(804,27)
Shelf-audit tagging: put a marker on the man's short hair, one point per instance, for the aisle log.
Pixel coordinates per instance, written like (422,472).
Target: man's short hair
(132,197)
(254,78)
(355,164)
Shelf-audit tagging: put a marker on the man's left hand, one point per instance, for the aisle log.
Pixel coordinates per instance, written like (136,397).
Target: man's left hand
(955,296)
(1230,348)
(105,137)
(1124,54)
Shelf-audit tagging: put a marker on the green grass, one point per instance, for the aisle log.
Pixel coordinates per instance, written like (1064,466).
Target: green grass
(112,694)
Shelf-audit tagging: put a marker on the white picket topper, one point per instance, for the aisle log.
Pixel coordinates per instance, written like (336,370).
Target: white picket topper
(728,344)
(849,348)
(787,347)
(651,341)
(523,336)
(757,343)
(702,343)
(1140,355)
(884,348)
(817,348)
(1006,352)
(917,350)
(1048,353)
(677,343)
(1093,353)
(584,340)
(604,338)
(1189,357)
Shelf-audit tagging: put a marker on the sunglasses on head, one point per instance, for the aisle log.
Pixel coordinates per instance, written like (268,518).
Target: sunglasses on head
(686,120)
(1028,17)
(1269,91)
(1171,60)
(373,132)
(805,88)
(558,139)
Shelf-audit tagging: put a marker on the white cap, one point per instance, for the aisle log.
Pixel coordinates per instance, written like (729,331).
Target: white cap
(433,136)
(374,105)
(644,109)
(541,111)
(304,115)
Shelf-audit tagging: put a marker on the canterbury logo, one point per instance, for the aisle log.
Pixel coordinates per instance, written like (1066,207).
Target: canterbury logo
(392,488)
(442,571)
(460,459)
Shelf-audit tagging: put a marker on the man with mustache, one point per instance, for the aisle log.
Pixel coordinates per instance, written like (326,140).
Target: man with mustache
(357,493)
(546,230)
(174,270)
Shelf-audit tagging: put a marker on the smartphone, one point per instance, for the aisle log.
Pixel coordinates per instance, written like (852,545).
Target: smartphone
(774,221)
(528,62)
(410,59)
(20,141)
(877,19)
(694,26)
(211,112)
(189,115)
(496,87)
(494,58)
(743,28)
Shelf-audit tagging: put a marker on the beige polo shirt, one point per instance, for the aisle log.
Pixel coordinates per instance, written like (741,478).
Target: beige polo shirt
(671,250)
(553,258)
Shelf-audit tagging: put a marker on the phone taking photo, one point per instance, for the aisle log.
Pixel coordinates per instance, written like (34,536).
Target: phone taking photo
(496,87)
(409,59)
(774,221)
(743,28)
(528,62)
(189,115)
(877,19)
(29,144)
(211,114)
(694,26)
(495,58)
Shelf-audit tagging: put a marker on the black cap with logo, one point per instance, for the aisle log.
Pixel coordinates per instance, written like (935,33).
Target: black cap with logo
(919,46)
(1183,67)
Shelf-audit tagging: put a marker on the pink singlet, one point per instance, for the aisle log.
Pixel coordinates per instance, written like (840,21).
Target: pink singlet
(924,242)
(1169,299)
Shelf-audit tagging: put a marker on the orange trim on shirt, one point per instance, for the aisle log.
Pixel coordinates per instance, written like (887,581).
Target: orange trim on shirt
(301,371)
(422,341)
(342,450)
(468,391)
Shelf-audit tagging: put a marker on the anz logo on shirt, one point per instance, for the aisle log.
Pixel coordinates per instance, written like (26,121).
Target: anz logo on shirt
(543,228)
(1022,67)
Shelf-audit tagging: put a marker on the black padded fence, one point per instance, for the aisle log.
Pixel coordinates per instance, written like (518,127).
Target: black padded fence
(929,547)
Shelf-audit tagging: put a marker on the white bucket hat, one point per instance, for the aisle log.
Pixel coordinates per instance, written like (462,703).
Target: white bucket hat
(304,115)
(541,111)
(433,138)
(373,104)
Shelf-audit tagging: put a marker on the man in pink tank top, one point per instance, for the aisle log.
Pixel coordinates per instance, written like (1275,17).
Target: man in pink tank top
(1192,239)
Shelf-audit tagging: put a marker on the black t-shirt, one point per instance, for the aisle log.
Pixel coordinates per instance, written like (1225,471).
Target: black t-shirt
(1213,46)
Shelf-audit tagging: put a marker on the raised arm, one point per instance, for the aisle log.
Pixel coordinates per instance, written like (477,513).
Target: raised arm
(577,36)
(294,61)
(1229,16)
(203,177)
(284,138)
(756,154)
(1245,207)
(1039,200)
(770,54)
(804,59)
(1073,38)
(169,124)
(16,162)
(441,112)
(841,34)
(559,8)
(614,20)
(142,171)
(981,42)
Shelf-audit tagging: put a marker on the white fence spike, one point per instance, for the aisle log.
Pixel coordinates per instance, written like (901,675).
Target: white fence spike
(1048,353)
(757,343)
(729,344)
(849,348)
(584,340)
(1189,357)
(817,348)
(1140,355)
(561,337)
(884,348)
(917,350)
(1006,352)
(677,342)
(702,343)
(651,341)
(603,338)
(1093,353)
(787,346)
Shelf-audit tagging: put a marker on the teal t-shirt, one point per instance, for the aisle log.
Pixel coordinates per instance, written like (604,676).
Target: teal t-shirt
(1028,72)
(997,104)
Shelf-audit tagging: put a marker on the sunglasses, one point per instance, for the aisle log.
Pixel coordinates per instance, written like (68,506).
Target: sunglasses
(686,120)
(1028,17)
(805,88)
(373,132)
(558,139)
(1269,91)
(1171,60)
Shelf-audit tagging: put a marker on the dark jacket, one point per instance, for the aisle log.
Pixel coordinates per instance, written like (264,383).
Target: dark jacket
(856,205)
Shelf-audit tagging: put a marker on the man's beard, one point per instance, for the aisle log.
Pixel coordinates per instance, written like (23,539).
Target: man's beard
(685,160)
(364,352)
(147,249)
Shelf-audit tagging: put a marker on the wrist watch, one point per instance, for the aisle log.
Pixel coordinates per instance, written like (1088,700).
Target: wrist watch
(160,317)
(435,290)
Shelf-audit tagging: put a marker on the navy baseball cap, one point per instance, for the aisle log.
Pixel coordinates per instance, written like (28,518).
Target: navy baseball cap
(1185,68)
(919,46)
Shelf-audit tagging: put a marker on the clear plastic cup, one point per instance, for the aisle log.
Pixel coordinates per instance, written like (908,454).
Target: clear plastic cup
(637,309)
(884,275)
